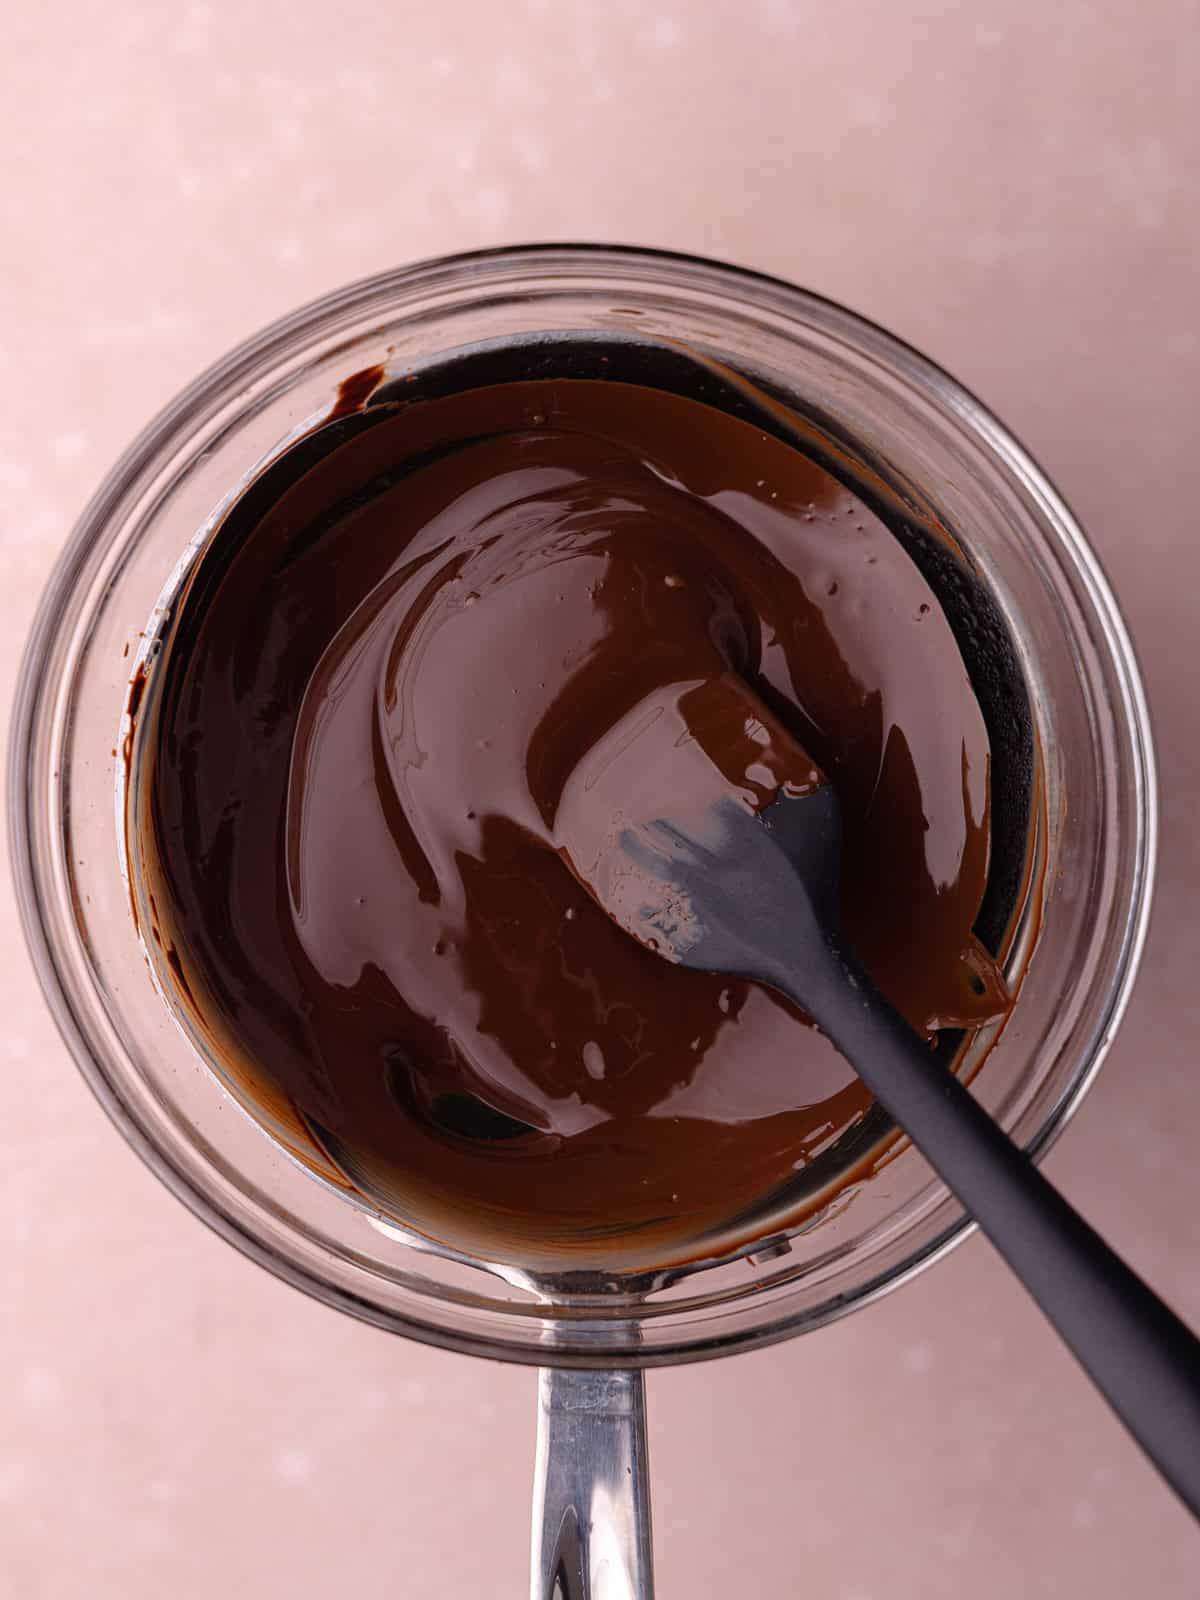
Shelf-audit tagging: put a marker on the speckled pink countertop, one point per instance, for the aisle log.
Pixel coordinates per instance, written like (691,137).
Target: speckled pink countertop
(1012,187)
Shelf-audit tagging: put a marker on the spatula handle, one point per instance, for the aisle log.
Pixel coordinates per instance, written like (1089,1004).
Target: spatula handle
(1136,1350)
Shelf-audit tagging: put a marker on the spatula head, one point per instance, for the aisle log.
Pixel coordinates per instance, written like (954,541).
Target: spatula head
(705,830)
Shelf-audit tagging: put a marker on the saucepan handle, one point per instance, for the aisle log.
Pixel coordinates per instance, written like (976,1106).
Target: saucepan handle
(591,1492)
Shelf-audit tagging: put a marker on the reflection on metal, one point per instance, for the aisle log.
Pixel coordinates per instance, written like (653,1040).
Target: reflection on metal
(591,1502)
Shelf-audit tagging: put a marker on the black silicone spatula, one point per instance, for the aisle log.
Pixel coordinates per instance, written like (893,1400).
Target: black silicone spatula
(706,833)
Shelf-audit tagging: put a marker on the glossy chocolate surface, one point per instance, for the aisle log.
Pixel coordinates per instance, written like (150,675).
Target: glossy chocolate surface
(384,673)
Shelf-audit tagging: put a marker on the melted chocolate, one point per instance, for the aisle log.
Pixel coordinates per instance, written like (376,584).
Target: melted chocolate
(394,656)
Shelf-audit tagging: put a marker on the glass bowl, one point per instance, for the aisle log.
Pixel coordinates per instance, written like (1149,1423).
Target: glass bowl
(930,441)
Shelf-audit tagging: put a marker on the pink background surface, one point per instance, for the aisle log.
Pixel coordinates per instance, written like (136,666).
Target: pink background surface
(1011,186)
